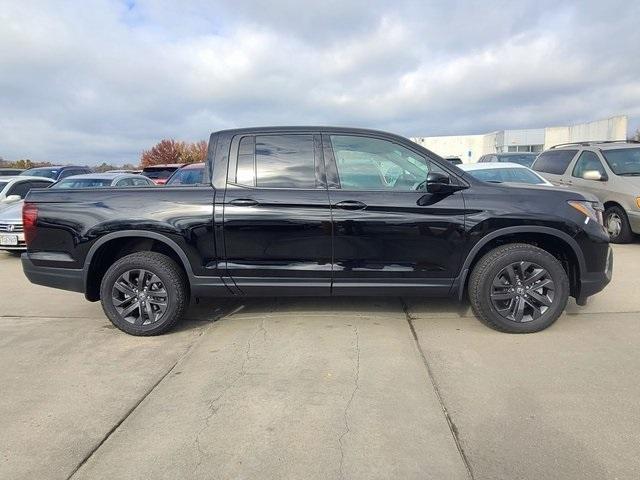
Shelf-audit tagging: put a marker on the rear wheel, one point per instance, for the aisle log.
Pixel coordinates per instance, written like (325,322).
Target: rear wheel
(617,223)
(144,293)
(518,288)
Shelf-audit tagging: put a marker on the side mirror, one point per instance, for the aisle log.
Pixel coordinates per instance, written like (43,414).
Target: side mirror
(11,199)
(593,175)
(437,182)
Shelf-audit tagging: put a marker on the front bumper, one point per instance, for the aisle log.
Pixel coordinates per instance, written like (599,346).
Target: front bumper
(63,278)
(634,221)
(594,282)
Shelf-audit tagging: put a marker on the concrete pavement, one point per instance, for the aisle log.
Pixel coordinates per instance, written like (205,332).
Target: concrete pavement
(318,388)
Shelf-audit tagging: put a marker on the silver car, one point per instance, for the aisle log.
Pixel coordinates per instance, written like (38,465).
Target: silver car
(609,170)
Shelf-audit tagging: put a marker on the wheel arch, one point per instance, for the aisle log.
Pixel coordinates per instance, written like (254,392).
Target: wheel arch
(562,243)
(117,244)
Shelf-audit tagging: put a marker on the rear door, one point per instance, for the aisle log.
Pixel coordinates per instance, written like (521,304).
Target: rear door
(390,236)
(276,217)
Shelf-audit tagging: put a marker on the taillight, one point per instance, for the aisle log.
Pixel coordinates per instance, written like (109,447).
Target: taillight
(29,221)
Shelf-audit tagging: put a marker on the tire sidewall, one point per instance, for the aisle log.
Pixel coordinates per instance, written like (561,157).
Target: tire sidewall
(114,272)
(625,231)
(557,274)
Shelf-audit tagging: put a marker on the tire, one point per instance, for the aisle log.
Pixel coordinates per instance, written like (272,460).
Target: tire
(617,224)
(160,306)
(496,296)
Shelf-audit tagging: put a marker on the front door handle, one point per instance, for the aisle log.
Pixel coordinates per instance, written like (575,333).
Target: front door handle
(351,205)
(243,202)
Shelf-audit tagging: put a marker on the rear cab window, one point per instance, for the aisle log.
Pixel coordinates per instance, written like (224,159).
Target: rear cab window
(277,161)
(554,162)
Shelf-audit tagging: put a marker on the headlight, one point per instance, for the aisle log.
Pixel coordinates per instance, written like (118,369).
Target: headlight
(591,210)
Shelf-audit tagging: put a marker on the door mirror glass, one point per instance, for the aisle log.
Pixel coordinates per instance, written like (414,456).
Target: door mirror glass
(593,175)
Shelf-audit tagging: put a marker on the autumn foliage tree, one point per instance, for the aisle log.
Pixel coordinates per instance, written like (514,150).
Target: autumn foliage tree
(172,151)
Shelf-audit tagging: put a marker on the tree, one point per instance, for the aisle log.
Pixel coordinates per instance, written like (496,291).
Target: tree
(165,151)
(636,136)
(172,151)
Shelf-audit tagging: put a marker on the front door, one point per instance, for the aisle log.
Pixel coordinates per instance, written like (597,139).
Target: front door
(390,235)
(277,219)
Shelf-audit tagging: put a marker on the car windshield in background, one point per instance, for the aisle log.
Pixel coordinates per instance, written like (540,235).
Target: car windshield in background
(524,159)
(2,185)
(83,183)
(42,172)
(512,175)
(187,176)
(625,161)
(158,173)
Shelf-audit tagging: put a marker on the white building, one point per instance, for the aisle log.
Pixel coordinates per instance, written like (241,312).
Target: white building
(471,147)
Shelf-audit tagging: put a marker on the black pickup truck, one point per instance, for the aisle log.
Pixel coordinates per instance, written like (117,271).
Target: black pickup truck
(320,211)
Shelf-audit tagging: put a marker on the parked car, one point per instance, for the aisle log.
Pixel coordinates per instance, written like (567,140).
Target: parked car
(11,226)
(454,160)
(161,173)
(608,170)
(10,172)
(309,211)
(191,174)
(124,171)
(523,158)
(56,173)
(96,180)
(14,189)
(504,173)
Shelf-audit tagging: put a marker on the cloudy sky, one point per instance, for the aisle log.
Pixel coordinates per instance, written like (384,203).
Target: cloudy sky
(98,80)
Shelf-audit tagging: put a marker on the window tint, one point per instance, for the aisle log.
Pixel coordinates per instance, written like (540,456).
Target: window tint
(285,161)
(140,182)
(554,161)
(586,162)
(21,189)
(125,182)
(624,161)
(245,173)
(373,164)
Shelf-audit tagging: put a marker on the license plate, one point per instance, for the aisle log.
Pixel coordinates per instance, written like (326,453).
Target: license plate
(9,240)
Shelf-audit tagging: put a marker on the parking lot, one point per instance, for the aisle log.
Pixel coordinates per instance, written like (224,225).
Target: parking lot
(319,388)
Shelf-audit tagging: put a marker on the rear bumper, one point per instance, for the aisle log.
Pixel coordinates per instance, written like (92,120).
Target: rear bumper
(594,282)
(63,278)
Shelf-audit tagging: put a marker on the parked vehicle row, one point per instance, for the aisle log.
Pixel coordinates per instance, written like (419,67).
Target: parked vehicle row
(320,211)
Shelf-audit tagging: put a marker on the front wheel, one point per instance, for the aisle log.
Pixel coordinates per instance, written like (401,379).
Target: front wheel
(144,293)
(518,288)
(618,226)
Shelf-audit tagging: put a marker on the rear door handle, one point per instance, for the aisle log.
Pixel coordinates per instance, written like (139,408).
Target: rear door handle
(351,205)
(243,202)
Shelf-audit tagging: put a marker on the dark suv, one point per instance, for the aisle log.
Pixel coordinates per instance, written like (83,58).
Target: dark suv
(320,211)
(57,172)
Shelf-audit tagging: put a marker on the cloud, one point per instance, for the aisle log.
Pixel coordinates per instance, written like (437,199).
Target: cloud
(99,81)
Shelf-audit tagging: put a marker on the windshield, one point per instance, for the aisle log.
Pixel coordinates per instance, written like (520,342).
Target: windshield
(83,183)
(513,175)
(42,172)
(158,173)
(187,176)
(524,159)
(625,161)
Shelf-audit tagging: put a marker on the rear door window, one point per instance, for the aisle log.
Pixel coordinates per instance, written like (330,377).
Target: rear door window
(277,161)
(554,162)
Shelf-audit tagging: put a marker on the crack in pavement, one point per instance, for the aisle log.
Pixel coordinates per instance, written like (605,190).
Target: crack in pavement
(436,389)
(128,413)
(213,409)
(356,381)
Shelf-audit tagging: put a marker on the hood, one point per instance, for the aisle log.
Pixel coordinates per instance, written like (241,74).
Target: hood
(12,213)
